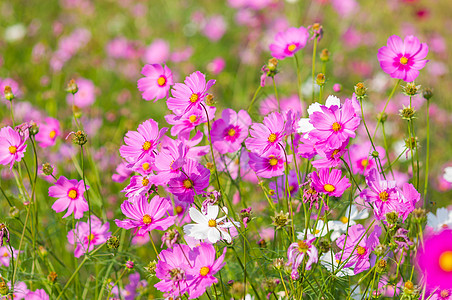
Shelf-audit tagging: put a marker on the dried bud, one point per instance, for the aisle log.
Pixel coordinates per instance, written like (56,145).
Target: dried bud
(411,143)
(113,242)
(380,250)
(411,89)
(129,264)
(381,266)
(278,263)
(237,289)
(324,246)
(391,217)
(151,267)
(33,129)
(360,90)
(14,212)
(320,79)
(8,93)
(47,169)
(272,64)
(170,237)
(52,277)
(281,219)
(210,100)
(80,138)
(210,165)
(407,113)
(419,215)
(427,93)
(72,87)
(382,117)
(325,55)
(4,289)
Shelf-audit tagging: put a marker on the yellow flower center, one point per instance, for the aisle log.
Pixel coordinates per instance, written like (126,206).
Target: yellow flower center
(336,126)
(146,166)
(147,219)
(272,137)
(445,261)
(192,118)
(364,163)
(317,231)
(179,209)
(329,188)
(231,132)
(12,149)
(72,194)
(5,254)
(335,152)
(194,98)
(52,134)
(212,223)
(161,81)
(291,47)
(445,293)
(147,145)
(145,181)
(360,250)
(403,60)
(271,192)
(204,271)
(383,196)
(273,160)
(302,246)
(344,219)
(188,184)
(91,237)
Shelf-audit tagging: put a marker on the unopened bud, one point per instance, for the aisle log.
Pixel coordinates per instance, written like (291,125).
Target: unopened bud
(325,55)
(113,242)
(129,264)
(411,89)
(375,154)
(391,217)
(407,113)
(360,90)
(8,93)
(152,265)
(210,100)
(320,79)
(72,87)
(52,277)
(272,64)
(47,169)
(382,117)
(80,138)
(427,93)
(381,266)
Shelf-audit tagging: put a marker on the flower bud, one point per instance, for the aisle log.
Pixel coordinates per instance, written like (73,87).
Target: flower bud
(113,242)
(392,217)
(47,169)
(4,289)
(411,143)
(278,263)
(427,93)
(129,264)
(8,93)
(360,90)
(375,154)
(210,100)
(151,267)
(381,266)
(325,55)
(281,219)
(337,87)
(80,138)
(411,89)
(320,79)
(407,113)
(52,277)
(272,64)
(14,212)
(419,215)
(382,117)
(72,87)
(380,250)
(33,129)
(324,246)
(170,237)
(42,251)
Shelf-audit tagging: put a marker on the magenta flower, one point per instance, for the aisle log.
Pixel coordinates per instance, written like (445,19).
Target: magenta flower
(330,182)
(269,164)
(170,159)
(434,260)
(403,59)
(268,135)
(334,125)
(81,237)
(298,251)
(49,130)
(86,94)
(122,173)
(156,83)
(230,131)
(192,118)
(193,181)
(280,189)
(358,247)
(189,94)
(288,42)
(39,294)
(361,162)
(12,146)
(146,216)
(330,157)
(70,197)
(204,269)
(142,142)
(5,255)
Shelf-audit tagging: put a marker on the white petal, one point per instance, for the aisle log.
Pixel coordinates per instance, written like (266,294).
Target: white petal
(197,217)
(213,235)
(304,125)
(333,100)
(314,107)
(212,212)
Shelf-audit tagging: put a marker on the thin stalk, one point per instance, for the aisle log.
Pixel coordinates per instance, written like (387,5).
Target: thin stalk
(428,153)
(386,105)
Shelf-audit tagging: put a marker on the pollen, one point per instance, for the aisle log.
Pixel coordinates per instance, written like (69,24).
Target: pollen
(192,118)
(179,209)
(291,47)
(329,188)
(360,250)
(194,97)
(335,152)
(231,132)
(272,138)
(344,219)
(212,223)
(147,145)
(5,254)
(72,194)
(336,126)
(145,181)
(147,219)
(161,81)
(302,246)
(52,134)
(91,237)
(383,196)
(12,149)
(364,163)
(445,261)
(146,166)
(273,161)
(204,271)
(187,183)
(445,293)
(403,60)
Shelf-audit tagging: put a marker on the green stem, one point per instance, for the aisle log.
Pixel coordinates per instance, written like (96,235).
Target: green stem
(428,153)
(386,105)
(314,53)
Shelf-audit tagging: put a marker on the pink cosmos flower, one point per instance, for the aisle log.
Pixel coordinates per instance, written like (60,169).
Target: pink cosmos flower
(188,121)
(20,291)
(330,157)
(268,135)
(216,66)
(170,159)
(193,181)
(288,42)
(330,182)
(280,189)
(86,94)
(297,252)
(158,52)
(269,164)
(204,269)
(189,94)
(440,294)
(49,130)
(142,142)
(12,146)
(215,28)
(434,260)
(230,131)
(357,247)
(145,165)
(139,185)
(81,237)
(70,197)
(122,173)
(146,216)
(156,83)
(403,59)
(361,162)
(5,255)
(39,294)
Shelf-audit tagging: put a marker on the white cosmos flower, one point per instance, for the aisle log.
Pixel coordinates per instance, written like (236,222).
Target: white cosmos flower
(448,174)
(440,221)
(208,226)
(304,126)
(339,227)
(329,262)
(318,231)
